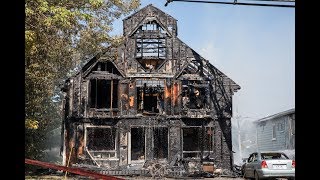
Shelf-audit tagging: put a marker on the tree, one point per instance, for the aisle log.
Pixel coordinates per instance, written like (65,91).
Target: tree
(59,35)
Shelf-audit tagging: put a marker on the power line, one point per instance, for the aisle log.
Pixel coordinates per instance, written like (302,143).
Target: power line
(240,3)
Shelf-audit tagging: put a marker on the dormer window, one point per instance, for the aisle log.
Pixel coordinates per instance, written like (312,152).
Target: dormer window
(150,45)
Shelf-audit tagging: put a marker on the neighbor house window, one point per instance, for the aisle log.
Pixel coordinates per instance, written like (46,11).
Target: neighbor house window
(281,126)
(103,93)
(273,132)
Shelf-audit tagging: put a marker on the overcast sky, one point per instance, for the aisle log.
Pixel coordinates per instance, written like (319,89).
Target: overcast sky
(254,46)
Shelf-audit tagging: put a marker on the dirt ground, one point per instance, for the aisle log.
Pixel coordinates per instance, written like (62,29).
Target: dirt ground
(73,177)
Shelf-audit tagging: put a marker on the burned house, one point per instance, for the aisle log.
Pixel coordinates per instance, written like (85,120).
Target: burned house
(152,97)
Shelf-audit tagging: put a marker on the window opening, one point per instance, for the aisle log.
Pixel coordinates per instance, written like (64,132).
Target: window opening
(137,144)
(197,139)
(160,140)
(102,92)
(150,96)
(100,141)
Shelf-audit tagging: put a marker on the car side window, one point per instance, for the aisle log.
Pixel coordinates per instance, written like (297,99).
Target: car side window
(254,157)
(250,158)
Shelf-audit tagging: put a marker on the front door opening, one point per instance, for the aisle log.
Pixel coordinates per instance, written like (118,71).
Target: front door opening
(160,140)
(137,143)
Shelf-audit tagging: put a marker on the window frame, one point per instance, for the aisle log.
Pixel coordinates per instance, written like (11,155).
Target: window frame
(114,151)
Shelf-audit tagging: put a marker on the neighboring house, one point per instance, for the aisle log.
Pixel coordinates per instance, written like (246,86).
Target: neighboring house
(277,132)
(152,97)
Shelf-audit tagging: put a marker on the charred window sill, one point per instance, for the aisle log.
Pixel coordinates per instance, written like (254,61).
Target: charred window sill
(104,109)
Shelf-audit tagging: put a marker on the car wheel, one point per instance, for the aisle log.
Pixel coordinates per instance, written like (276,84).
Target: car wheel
(256,176)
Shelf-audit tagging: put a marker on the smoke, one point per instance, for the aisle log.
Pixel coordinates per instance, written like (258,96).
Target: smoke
(53,142)
(244,138)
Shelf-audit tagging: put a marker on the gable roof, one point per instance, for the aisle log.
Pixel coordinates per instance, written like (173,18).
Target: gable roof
(144,19)
(99,58)
(149,6)
(277,115)
(212,71)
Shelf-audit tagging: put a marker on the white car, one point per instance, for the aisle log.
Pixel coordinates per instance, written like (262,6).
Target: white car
(270,164)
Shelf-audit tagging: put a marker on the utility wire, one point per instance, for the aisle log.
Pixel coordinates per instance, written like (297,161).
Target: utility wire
(238,3)
(283,1)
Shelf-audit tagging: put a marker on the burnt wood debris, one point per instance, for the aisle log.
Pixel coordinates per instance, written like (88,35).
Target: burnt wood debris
(151,105)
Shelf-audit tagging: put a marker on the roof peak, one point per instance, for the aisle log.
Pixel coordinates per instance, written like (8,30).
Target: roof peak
(148,6)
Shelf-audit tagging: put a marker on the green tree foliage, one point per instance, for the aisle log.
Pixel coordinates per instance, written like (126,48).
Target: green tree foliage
(59,35)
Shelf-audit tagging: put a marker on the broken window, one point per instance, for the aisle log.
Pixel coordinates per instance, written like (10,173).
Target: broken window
(191,141)
(100,141)
(151,47)
(103,93)
(152,25)
(106,66)
(137,143)
(194,95)
(151,52)
(160,140)
(197,140)
(150,96)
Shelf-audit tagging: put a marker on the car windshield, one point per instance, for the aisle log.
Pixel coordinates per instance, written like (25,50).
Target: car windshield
(273,156)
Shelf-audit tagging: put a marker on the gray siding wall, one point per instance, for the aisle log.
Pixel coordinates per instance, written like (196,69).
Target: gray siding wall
(265,139)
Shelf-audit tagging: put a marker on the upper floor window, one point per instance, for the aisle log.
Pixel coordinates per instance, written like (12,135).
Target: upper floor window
(195,95)
(103,93)
(150,96)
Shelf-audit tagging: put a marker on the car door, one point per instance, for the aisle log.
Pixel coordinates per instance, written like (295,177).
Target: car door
(255,163)
(248,167)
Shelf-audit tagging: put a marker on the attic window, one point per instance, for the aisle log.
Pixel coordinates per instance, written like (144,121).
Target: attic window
(106,66)
(152,47)
(151,52)
(151,26)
